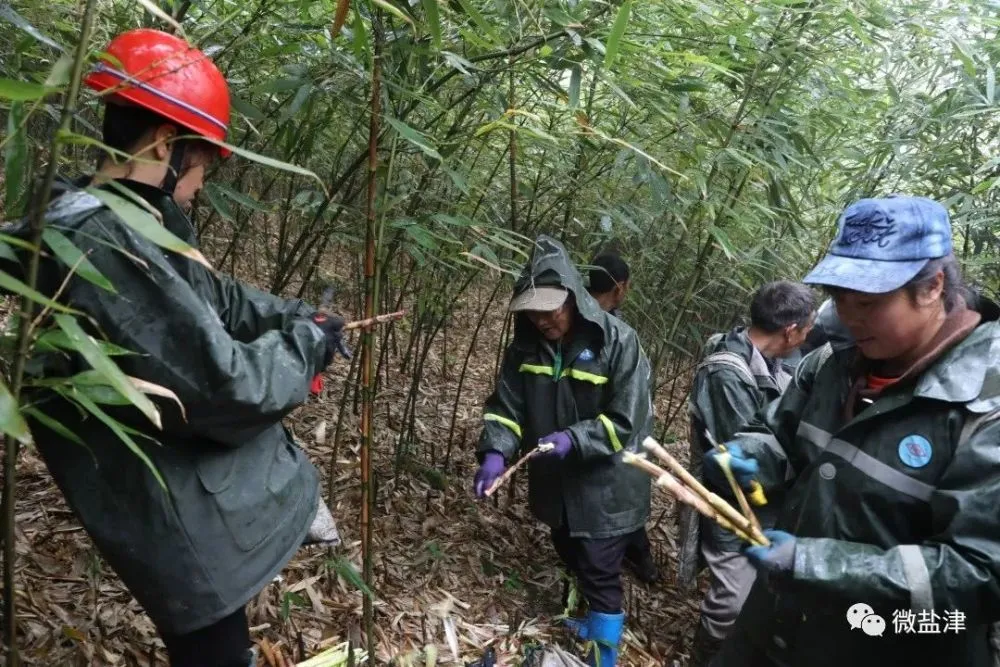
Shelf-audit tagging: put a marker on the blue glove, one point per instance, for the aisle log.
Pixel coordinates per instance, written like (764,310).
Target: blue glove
(744,467)
(563,442)
(779,558)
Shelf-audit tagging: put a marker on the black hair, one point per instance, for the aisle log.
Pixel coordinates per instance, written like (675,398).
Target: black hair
(125,125)
(609,270)
(954,291)
(776,305)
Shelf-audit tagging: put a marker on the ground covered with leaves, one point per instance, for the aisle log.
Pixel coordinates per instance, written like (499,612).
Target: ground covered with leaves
(450,572)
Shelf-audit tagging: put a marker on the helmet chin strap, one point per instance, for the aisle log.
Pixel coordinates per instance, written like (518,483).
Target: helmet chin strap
(174,168)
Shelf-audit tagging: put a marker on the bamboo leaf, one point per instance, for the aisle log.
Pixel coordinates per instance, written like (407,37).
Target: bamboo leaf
(15,286)
(617,32)
(414,137)
(153,9)
(268,161)
(395,11)
(477,18)
(991,84)
(71,256)
(217,201)
(53,340)
(15,156)
(242,199)
(433,19)
(90,351)
(147,224)
(61,72)
(22,90)
(574,87)
(119,431)
(346,569)
(339,17)
(11,420)
(51,424)
(247,109)
(8,14)
(359,41)
(93,378)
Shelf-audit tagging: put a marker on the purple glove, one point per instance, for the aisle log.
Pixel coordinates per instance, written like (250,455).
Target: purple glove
(491,468)
(563,444)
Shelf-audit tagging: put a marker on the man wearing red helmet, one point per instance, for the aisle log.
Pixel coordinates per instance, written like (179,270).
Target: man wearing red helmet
(240,496)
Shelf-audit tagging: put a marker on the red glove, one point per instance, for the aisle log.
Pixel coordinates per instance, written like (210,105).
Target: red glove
(316,386)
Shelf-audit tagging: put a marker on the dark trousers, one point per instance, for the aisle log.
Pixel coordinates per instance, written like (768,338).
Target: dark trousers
(223,644)
(597,565)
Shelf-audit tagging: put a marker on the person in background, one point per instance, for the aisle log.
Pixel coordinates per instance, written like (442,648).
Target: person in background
(575,379)
(887,546)
(238,497)
(609,278)
(609,281)
(739,375)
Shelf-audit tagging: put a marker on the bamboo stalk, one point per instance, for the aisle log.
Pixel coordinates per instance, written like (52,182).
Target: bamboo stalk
(36,226)
(378,319)
(502,479)
(367,338)
(664,479)
(724,508)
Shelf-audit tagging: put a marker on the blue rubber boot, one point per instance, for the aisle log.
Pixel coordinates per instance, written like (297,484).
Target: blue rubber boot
(606,631)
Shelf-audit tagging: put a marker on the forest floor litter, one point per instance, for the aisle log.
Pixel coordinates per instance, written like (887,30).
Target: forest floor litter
(450,572)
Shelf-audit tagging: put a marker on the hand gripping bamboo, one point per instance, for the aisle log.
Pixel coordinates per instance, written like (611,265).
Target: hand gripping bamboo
(725,509)
(663,478)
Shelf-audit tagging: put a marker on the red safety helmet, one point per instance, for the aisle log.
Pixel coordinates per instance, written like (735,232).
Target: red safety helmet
(165,74)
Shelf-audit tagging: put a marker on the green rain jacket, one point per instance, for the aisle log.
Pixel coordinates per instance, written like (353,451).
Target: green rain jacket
(240,494)
(731,385)
(596,387)
(896,509)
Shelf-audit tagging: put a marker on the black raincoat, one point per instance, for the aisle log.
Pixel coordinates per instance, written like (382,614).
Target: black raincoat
(596,387)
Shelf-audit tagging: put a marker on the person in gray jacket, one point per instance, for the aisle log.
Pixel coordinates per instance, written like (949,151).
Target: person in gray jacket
(740,374)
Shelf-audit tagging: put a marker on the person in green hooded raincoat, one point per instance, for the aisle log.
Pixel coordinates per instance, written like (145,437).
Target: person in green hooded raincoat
(886,550)
(238,496)
(574,378)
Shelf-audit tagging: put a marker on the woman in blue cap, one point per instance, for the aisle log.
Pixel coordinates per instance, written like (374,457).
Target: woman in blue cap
(887,452)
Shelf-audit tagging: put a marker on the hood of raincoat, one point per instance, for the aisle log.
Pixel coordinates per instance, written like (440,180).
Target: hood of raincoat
(550,266)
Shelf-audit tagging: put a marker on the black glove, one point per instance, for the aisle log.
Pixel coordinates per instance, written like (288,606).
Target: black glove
(333,328)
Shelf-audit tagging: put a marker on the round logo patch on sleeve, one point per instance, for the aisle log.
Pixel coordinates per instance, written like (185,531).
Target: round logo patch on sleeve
(915,451)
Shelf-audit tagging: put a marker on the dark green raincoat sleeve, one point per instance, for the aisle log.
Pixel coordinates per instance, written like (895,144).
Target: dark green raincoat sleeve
(726,403)
(228,387)
(957,569)
(249,312)
(628,411)
(503,414)
(770,436)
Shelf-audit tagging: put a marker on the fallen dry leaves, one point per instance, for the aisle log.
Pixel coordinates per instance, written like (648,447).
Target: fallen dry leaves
(451,573)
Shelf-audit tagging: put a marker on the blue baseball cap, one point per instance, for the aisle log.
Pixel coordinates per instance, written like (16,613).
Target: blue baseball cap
(882,244)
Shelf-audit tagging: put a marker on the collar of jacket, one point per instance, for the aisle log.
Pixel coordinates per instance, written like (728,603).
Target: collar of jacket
(737,341)
(967,373)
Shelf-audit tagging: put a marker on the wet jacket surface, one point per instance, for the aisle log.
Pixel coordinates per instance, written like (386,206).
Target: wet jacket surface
(596,387)
(896,509)
(240,495)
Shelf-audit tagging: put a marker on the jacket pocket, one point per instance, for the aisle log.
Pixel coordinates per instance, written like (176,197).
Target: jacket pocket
(255,487)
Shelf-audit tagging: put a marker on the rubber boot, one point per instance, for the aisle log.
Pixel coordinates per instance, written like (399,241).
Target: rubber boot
(704,647)
(605,630)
